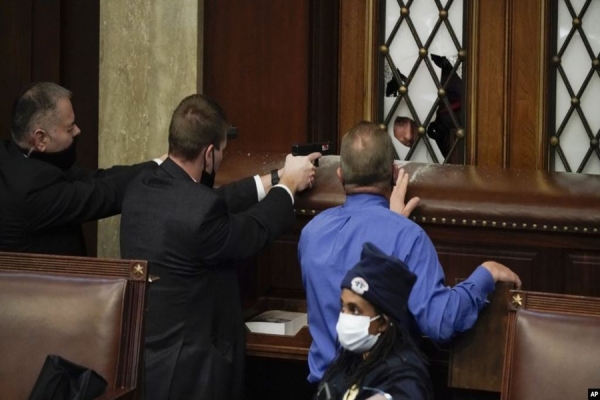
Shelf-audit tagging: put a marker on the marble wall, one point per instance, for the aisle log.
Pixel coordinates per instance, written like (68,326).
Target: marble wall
(150,59)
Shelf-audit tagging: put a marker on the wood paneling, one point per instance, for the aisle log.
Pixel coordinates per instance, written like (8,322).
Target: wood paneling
(508,42)
(582,273)
(488,76)
(15,51)
(357,52)
(80,55)
(459,260)
(46,40)
(256,67)
(323,59)
(526,101)
(483,343)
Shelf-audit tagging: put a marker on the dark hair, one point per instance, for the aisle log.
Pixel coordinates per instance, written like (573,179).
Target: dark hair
(366,156)
(354,367)
(196,123)
(35,107)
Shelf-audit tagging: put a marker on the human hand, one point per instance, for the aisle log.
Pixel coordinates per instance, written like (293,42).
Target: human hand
(299,172)
(502,273)
(399,193)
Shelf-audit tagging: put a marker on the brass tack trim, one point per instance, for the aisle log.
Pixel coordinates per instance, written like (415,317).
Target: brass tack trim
(475,222)
(508,225)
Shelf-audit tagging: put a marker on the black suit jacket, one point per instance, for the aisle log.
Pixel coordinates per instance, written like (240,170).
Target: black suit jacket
(42,207)
(191,234)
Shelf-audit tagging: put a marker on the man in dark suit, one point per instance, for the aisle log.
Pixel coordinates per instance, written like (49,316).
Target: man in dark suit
(44,199)
(190,234)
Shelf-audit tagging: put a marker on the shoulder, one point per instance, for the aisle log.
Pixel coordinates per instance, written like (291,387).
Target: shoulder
(155,187)
(406,360)
(323,217)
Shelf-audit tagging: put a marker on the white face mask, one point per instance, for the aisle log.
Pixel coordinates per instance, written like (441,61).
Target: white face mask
(353,332)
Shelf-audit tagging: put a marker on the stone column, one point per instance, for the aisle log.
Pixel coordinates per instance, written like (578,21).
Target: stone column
(150,59)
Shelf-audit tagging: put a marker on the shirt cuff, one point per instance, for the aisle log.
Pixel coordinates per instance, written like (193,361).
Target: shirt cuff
(287,190)
(260,189)
(483,279)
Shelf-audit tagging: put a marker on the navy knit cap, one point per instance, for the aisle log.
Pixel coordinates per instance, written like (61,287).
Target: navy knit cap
(383,280)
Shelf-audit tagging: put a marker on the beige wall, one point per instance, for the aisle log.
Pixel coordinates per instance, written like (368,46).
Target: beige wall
(150,58)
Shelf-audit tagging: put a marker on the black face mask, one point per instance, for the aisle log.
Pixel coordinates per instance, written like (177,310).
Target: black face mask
(63,159)
(206,178)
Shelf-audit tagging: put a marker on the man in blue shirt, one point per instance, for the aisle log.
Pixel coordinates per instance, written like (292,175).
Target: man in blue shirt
(331,243)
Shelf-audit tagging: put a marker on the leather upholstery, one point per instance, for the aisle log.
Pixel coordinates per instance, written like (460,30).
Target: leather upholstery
(552,355)
(555,356)
(77,318)
(87,310)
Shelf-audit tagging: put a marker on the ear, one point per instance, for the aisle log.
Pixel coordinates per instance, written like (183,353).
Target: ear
(208,153)
(39,140)
(340,175)
(385,322)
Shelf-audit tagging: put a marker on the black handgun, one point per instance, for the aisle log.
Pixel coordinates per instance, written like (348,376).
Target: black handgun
(324,148)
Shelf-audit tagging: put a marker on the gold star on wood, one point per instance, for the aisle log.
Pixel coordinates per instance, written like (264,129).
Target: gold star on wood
(517,300)
(138,271)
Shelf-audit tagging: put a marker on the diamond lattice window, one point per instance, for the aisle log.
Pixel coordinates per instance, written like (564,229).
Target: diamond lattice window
(576,75)
(422,81)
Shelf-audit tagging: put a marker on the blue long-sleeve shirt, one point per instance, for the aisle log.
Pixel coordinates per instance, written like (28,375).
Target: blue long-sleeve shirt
(331,244)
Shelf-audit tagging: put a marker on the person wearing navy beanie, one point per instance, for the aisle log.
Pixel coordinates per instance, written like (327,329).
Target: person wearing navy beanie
(377,355)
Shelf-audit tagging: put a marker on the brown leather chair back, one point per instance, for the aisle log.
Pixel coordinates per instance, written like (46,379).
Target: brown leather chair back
(553,347)
(86,310)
